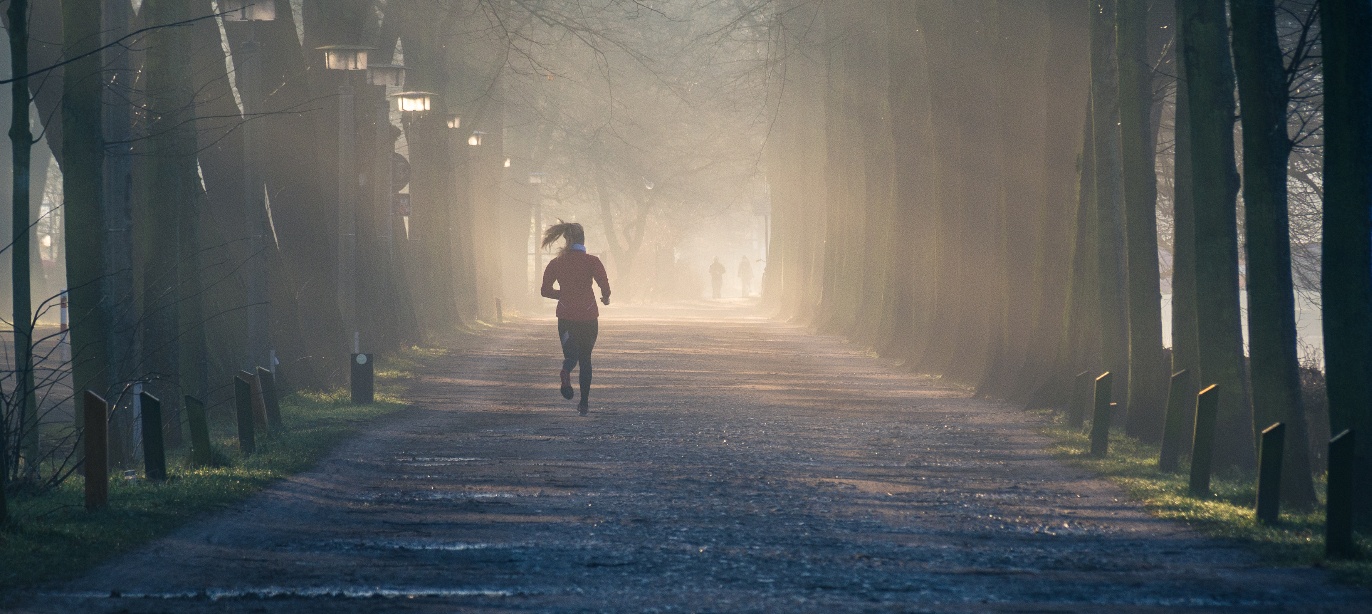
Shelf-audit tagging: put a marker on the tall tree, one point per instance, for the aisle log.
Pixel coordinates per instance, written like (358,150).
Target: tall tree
(20,143)
(1114,314)
(1185,344)
(909,100)
(1210,91)
(1346,281)
(82,178)
(1274,364)
(170,191)
(1147,369)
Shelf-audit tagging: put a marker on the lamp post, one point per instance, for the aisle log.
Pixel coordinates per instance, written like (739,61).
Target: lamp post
(348,59)
(537,179)
(412,106)
(249,13)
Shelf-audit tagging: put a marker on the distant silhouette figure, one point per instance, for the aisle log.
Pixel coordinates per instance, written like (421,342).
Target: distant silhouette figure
(717,277)
(577,314)
(745,276)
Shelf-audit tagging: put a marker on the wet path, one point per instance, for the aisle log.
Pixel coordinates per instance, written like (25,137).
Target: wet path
(729,463)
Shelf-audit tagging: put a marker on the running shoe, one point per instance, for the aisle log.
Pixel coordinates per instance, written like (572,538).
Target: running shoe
(583,408)
(567,385)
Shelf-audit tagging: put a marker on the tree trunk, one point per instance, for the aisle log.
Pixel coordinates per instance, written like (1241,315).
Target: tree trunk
(1066,74)
(908,287)
(169,191)
(1345,281)
(1114,318)
(1185,343)
(1274,363)
(21,142)
(1147,369)
(82,178)
(1210,80)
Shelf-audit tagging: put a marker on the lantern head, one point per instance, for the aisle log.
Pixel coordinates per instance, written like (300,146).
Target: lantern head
(248,10)
(345,57)
(415,103)
(390,75)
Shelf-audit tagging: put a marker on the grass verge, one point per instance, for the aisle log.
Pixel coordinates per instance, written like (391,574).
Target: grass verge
(52,538)
(1296,540)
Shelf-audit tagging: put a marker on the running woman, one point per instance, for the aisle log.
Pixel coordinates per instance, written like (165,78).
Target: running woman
(577,324)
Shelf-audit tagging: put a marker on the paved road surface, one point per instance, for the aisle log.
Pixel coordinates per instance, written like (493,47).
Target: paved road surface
(730,463)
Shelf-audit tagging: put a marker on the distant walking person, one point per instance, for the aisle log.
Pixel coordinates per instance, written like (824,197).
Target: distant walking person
(717,277)
(745,276)
(577,315)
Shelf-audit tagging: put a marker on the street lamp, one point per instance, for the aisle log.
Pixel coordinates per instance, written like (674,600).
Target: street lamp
(386,75)
(475,139)
(248,10)
(348,59)
(249,13)
(414,103)
(345,57)
(454,121)
(537,178)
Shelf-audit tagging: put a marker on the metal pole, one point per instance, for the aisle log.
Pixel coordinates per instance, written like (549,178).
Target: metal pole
(347,210)
(259,316)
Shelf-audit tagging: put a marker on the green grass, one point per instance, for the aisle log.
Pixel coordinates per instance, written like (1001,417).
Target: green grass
(1296,540)
(53,538)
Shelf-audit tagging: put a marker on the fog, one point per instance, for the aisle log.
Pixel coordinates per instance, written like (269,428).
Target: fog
(985,191)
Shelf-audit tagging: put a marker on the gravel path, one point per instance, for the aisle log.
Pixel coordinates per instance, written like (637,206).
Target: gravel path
(730,463)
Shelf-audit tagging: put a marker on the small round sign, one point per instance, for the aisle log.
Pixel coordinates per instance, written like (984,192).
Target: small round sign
(361,359)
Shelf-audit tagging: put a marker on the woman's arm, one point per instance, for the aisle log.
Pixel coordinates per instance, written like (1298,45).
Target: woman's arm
(547,291)
(603,280)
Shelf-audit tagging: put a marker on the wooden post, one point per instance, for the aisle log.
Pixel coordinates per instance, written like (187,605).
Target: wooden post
(242,393)
(1081,392)
(363,384)
(154,452)
(259,409)
(1203,440)
(1338,523)
(200,433)
(1174,424)
(95,432)
(1269,473)
(266,382)
(1100,419)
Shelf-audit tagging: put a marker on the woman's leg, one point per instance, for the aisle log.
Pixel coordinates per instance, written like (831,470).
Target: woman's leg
(569,355)
(585,339)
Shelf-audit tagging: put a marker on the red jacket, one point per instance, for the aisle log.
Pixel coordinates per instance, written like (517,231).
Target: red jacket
(573,272)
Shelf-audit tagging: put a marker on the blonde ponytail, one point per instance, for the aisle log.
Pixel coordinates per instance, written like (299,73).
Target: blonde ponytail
(572,231)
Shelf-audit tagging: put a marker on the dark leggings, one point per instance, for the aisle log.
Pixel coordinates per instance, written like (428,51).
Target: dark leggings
(578,339)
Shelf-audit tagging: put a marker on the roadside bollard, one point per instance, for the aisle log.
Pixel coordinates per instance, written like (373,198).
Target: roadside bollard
(1203,441)
(1100,419)
(1081,392)
(363,385)
(200,433)
(1269,473)
(259,409)
(1338,523)
(154,452)
(95,432)
(1174,424)
(242,394)
(266,382)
